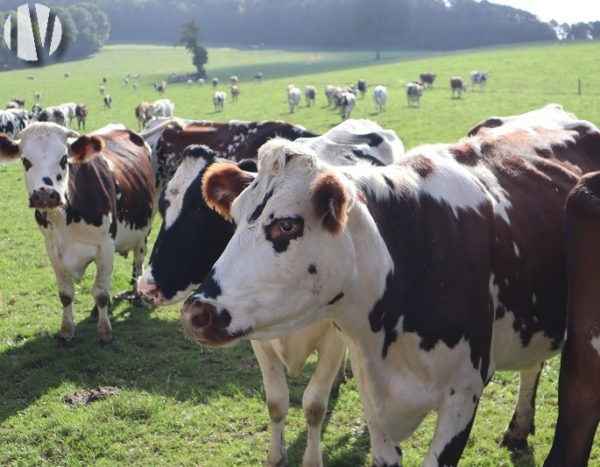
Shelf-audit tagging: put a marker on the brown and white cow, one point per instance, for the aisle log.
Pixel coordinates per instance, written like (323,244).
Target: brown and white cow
(427,79)
(93,196)
(143,113)
(81,112)
(193,236)
(458,86)
(579,381)
(438,271)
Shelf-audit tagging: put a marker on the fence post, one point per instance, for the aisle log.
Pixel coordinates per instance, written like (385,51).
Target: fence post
(579,86)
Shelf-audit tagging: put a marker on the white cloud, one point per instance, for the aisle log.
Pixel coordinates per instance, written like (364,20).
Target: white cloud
(572,11)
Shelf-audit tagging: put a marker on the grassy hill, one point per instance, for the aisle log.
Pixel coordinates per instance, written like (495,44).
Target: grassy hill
(181,404)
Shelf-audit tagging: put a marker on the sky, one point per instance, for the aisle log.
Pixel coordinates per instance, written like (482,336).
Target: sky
(563,11)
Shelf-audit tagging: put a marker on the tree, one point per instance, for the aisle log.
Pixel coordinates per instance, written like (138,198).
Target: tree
(190,37)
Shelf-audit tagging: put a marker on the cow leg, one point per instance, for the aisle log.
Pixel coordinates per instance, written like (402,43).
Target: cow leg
(456,414)
(316,395)
(522,421)
(101,291)
(385,452)
(278,399)
(66,292)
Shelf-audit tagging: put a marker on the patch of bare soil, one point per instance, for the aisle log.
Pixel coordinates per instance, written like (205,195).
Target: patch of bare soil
(87,396)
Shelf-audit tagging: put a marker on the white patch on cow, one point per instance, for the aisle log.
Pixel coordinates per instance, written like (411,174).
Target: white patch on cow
(596,344)
(498,195)
(239,123)
(109,128)
(516,249)
(175,190)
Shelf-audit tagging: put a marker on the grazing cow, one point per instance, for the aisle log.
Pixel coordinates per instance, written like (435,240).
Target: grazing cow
(30,77)
(433,288)
(380,96)
(219,98)
(143,114)
(480,78)
(37,96)
(11,105)
(200,81)
(215,82)
(414,91)
(12,121)
(259,77)
(427,79)
(160,87)
(126,81)
(54,115)
(362,87)
(193,236)
(458,86)
(310,93)
(81,112)
(104,80)
(330,91)
(134,86)
(102,89)
(235,92)
(579,381)
(15,103)
(69,109)
(66,74)
(92,196)
(345,101)
(233,79)
(294,96)
(163,108)
(107,101)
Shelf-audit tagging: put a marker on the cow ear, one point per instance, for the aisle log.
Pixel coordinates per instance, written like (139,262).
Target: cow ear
(330,201)
(221,184)
(9,149)
(85,148)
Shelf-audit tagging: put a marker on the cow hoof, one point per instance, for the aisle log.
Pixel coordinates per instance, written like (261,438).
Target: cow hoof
(513,444)
(105,342)
(63,343)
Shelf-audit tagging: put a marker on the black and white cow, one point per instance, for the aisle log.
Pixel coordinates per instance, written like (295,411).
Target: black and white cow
(294,95)
(93,196)
(438,271)
(107,101)
(52,115)
(480,78)
(414,91)
(81,112)
(310,94)
(192,237)
(12,121)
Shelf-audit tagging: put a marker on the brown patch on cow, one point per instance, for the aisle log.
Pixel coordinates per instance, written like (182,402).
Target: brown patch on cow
(86,148)
(329,200)
(464,153)
(221,184)
(87,396)
(420,164)
(8,148)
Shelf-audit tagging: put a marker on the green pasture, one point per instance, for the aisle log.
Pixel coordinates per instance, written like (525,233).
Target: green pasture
(172,402)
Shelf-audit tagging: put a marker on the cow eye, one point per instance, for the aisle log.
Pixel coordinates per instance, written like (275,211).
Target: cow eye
(289,226)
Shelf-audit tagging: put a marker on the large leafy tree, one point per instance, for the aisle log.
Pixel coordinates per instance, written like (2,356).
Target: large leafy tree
(190,39)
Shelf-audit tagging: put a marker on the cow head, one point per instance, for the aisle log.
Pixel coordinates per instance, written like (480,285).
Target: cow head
(192,236)
(290,256)
(45,150)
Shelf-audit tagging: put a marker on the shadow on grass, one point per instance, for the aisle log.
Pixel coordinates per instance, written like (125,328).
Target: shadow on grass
(524,457)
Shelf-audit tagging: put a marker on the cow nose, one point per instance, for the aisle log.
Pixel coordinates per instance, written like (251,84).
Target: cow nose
(197,316)
(44,198)
(150,290)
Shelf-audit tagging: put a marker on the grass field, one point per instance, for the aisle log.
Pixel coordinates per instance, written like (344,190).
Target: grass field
(179,404)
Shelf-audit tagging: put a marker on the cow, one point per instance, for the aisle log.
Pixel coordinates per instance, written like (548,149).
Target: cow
(160,87)
(433,288)
(190,83)
(215,82)
(68,109)
(330,91)
(102,89)
(52,114)
(104,80)
(427,79)
(345,101)
(235,92)
(12,121)
(192,237)
(310,93)
(107,100)
(579,379)
(294,95)
(200,81)
(233,79)
(66,74)
(219,98)
(163,108)
(134,86)
(480,78)
(414,91)
(81,112)
(380,96)
(11,105)
(37,96)
(458,86)
(92,196)
(259,77)
(126,81)
(143,113)
(15,103)
(362,87)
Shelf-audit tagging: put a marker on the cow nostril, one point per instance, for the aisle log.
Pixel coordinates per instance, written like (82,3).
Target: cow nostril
(202,317)
(54,196)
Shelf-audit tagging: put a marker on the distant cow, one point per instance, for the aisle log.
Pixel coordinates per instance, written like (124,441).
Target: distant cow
(235,92)
(345,101)
(414,91)
(54,115)
(200,81)
(362,87)
(215,82)
(69,109)
(310,93)
(329,93)
(294,96)
(160,86)
(259,77)
(37,96)
(107,100)
(480,78)
(104,80)
(438,270)
(15,103)
(579,381)
(233,79)
(66,74)
(219,98)
(427,79)
(102,89)
(380,96)
(93,196)
(458,86)
(143,113)
(163,108)
(81,112)
(12,121)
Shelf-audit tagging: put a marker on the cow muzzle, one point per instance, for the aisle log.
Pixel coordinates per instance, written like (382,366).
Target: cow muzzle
(150,290)
(205,324)
(44,198)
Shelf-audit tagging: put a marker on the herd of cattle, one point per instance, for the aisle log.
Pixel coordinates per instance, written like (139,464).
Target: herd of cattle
(434,268)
